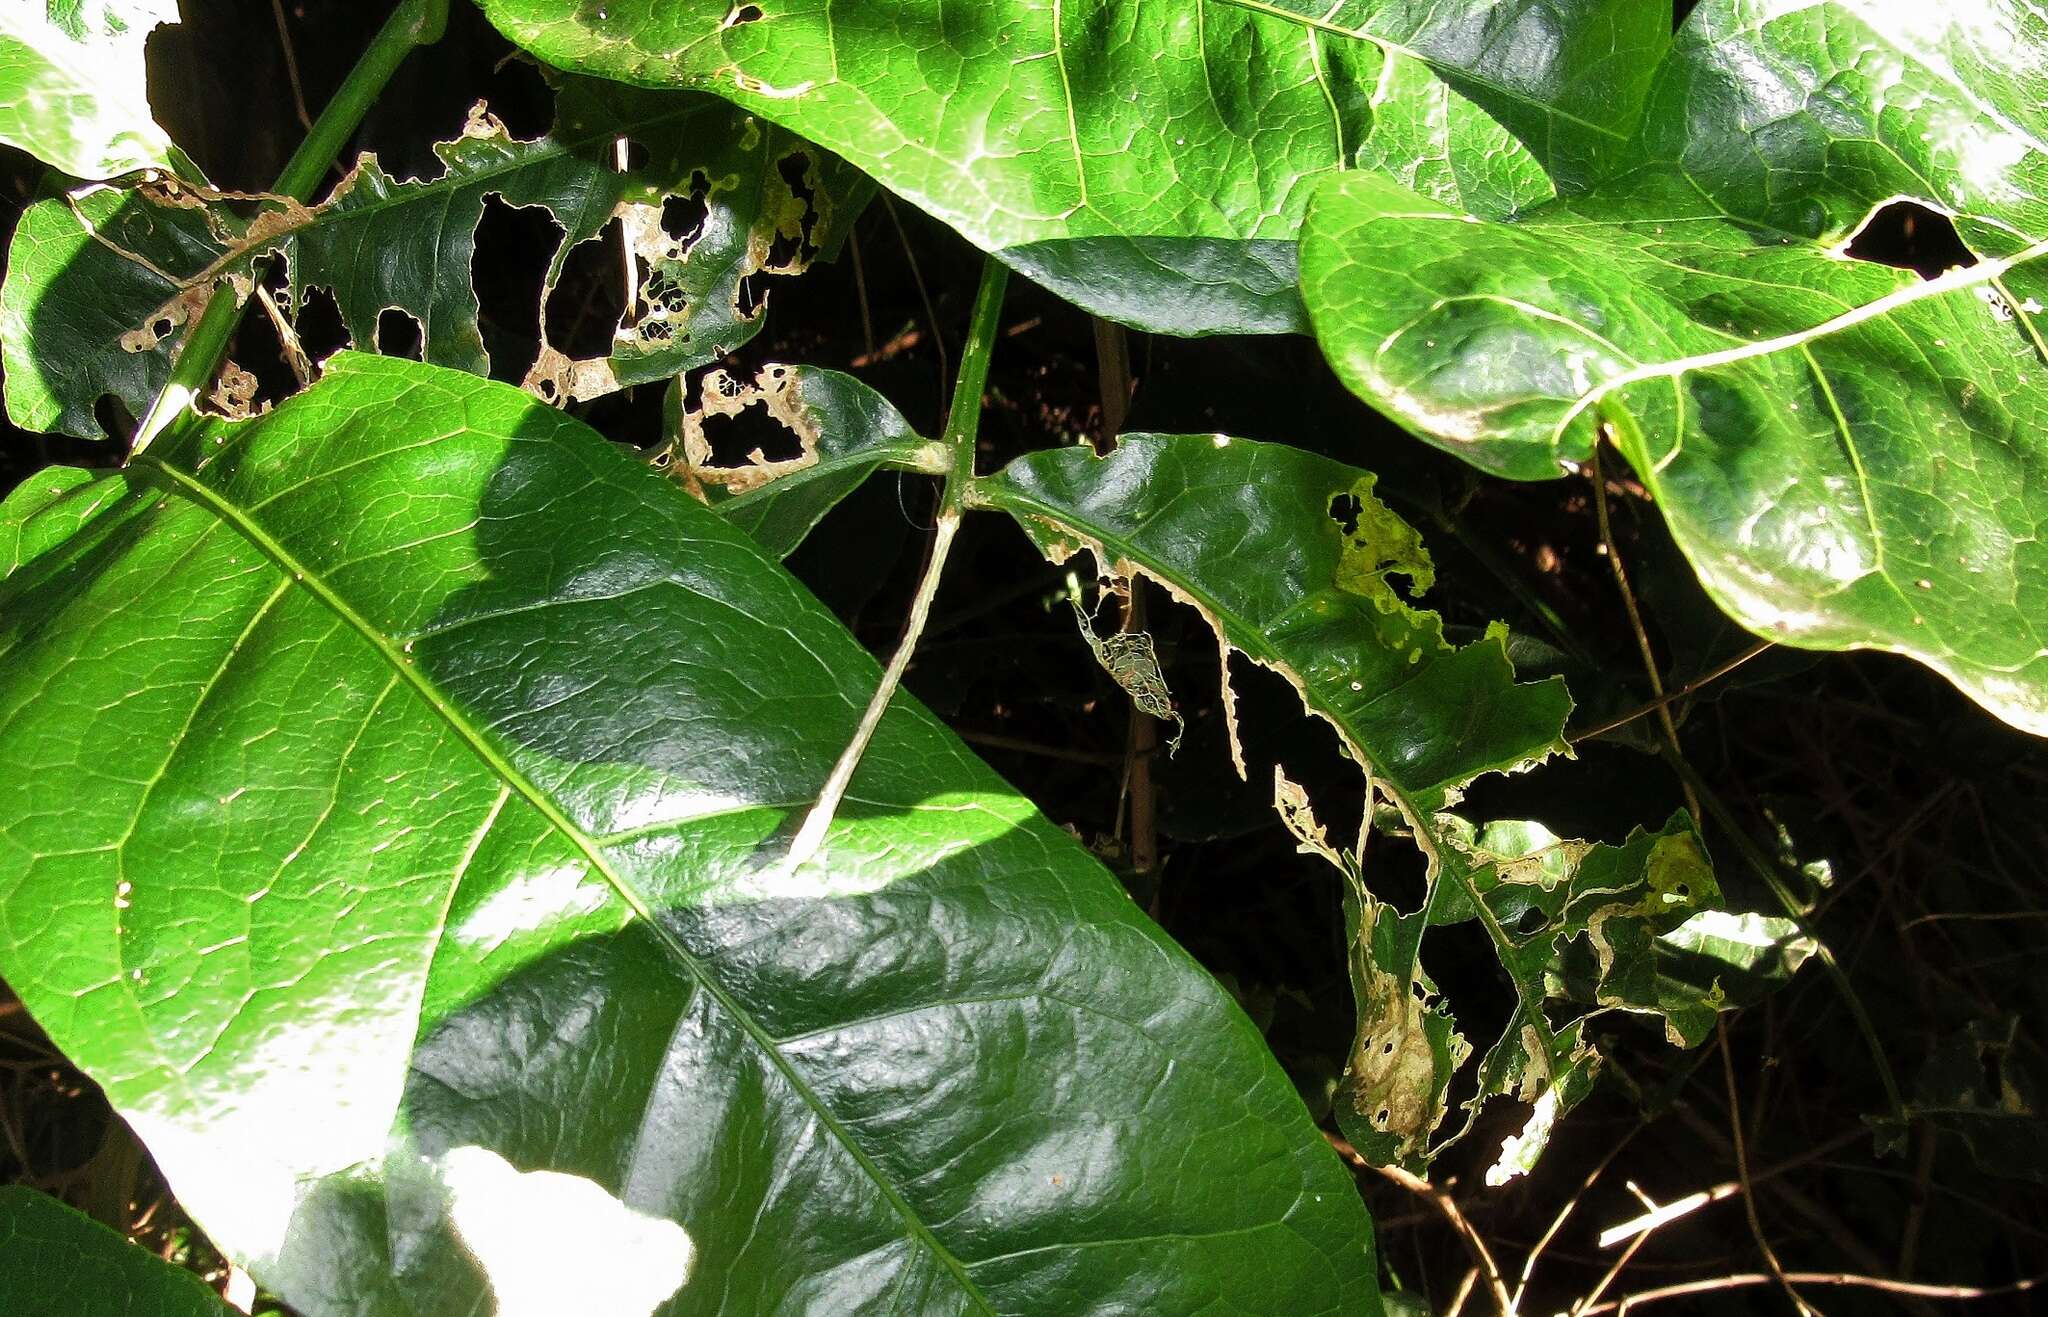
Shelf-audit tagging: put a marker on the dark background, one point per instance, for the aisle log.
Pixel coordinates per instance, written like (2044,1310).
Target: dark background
(1929,812)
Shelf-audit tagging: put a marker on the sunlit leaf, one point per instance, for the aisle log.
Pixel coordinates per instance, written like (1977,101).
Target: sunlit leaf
(73,88)
(404,778)
(1849,455)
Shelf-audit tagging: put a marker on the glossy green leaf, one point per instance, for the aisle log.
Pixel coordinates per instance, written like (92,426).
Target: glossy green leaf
(1147,159)
(1850,456)
(838,432)
(73,88)
(404,779)
(54,1259)
(1567,77)
(1292,560)
(714,203)
(70,304)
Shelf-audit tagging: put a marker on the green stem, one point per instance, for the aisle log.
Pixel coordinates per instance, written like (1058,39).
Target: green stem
(963,423)
(414,23)
(963,418)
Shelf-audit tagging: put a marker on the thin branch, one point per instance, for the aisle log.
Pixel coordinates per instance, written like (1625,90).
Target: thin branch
(1663,701)
(1661,706)
(1905,1287)
(963,423)
(291,66)
(1736,1138)
(1444,1203)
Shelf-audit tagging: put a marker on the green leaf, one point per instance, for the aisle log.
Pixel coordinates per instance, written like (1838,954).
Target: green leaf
(71,305)
(714,203)
(840,430)
(1291,559)
(1146,159)
(1849,456)
(73,88)
(404,779)
(1567,77)
(1713,962)
(1981,1085)
(54,1259)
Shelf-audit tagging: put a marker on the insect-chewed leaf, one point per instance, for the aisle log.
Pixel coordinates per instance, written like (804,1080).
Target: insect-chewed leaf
(1147,159)
(713,201)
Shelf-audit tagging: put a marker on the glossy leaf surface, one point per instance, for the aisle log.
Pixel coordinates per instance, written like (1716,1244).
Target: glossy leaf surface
(406,785)
(1147,159)
(1850,456)
(1567,77)
(54,1259)
(714,203)
(73,88)
(1292,560)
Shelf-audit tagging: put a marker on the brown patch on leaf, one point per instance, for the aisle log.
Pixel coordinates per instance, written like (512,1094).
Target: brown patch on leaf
(776,391)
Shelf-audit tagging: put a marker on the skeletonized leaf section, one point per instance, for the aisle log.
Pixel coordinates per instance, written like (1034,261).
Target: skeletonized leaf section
(1299,567)
(775,453)
(1849,455)
(698,203)
(419,854)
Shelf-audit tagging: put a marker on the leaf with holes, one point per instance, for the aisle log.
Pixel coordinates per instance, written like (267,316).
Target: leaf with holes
(73,88)
(710,204)
(1291,559)
(1146,159)
(54,1259)
(829,433)
(1851,456)
(404,779)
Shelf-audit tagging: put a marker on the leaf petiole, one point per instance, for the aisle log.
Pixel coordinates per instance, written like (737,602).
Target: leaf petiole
(963,424)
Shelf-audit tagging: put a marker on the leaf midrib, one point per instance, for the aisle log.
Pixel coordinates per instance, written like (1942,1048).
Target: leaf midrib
(186,485)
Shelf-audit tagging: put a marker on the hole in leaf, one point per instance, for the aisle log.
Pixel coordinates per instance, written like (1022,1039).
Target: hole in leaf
(399,334)
(735,439)
(113,416)
(1912,237)
(630,416)
(589,301)
(752,293)
(745,14)
(507,279)
(787,253)
(520,97)
(1531,923)
(636,156)
(319,325)
(682,218)
(1345,510)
